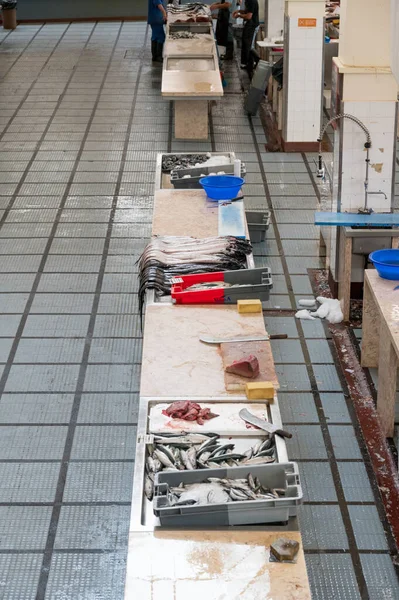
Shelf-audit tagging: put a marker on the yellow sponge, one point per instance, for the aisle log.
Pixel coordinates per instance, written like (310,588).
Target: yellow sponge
(249,306)
(260,390)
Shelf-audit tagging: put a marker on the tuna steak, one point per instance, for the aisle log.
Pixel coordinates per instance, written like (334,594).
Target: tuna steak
(245,367)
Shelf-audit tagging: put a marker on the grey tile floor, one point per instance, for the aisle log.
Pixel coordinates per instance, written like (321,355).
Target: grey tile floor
(81,122)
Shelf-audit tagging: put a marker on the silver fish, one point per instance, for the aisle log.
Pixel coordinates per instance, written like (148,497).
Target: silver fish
(206,444)
(237,495)
(266,445)
(178,459)
(251,482)
(225,457)
(149,463)
(166,451)
(186,460)
(268,452)
(205,456)
(163,458)
(257,447)
(259,460)
(157,465)
(192,457)
(213,465)
(149,487)
(222,450)
(188,502)
(249,453)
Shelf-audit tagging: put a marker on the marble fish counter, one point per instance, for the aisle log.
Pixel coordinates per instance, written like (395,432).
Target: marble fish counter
(214,562)
(233,564)
(191,78)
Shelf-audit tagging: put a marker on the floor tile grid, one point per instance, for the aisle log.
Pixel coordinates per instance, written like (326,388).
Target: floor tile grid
(131,437)
(83,436)
(29,34)
(23,95)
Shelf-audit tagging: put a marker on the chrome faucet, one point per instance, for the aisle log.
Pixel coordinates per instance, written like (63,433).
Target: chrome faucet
(367,146)
(365,210)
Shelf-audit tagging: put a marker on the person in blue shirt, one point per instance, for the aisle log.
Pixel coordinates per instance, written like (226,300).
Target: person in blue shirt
(156,19)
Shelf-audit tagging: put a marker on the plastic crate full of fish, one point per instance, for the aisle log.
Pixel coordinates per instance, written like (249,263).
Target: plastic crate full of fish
(246,495)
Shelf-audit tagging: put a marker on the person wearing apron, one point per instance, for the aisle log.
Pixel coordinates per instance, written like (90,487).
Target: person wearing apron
(224,26)
(251,21)
(156,19)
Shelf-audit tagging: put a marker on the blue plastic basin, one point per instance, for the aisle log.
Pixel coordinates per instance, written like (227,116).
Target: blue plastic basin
(387,263)
(222,187)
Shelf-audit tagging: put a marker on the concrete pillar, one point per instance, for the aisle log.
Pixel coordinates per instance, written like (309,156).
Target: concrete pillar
(364,86)
(274,18)
(303,74)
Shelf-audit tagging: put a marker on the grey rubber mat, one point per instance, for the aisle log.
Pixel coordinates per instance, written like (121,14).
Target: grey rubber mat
(15,586)
(369,532)
(287,351)
(355,482)
(327,378)
(99,482)
(380,576)
(317,482)
(332,577)
(322,528)
(293,378)
(24,527)
(297,407)
(109,408)
(335,408)
(95,527)
(319,351)
(344,441)
(307,443)
(73,574)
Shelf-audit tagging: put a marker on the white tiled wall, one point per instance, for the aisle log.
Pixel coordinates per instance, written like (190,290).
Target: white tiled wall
(274,17)
(379,118)
(304,89)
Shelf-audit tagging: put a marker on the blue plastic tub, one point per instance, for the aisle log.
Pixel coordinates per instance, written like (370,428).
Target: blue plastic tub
(387,263)
(222,187)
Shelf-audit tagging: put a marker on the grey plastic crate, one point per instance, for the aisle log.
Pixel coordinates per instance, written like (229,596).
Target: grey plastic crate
(249,512)
(180,183)
(258,223)
(252,284)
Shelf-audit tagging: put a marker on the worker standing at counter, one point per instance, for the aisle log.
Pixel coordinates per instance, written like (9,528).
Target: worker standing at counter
(250,15)
(156,18)
(224,25)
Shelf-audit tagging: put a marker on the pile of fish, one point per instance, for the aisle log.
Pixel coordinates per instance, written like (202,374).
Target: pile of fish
(182,161)
(219,491)
(190,451)
(189,411)
(194,12)
(183,35)
(167,257)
